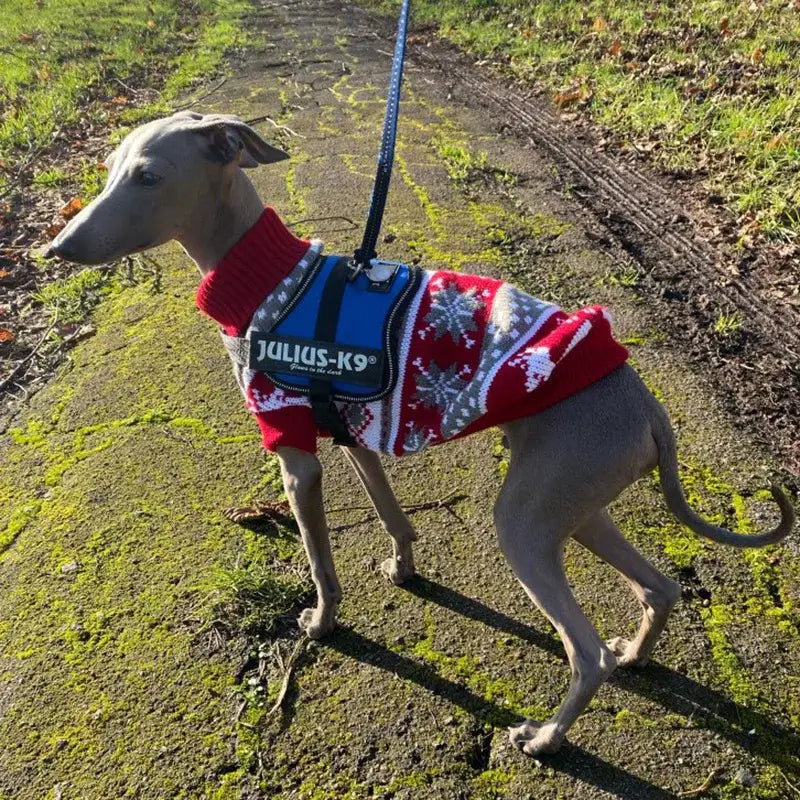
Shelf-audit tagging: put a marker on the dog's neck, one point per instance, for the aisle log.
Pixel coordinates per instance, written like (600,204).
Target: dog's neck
(237,208)
(241,265)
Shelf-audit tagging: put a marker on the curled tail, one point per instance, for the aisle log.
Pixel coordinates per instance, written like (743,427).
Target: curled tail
(676,499)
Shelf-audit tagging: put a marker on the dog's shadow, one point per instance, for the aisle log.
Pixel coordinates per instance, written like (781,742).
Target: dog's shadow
(672,690)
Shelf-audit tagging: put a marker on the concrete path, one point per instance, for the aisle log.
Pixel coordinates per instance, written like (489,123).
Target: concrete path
(120,675)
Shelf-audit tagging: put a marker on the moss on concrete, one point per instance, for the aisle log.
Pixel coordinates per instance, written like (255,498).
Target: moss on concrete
(132,611)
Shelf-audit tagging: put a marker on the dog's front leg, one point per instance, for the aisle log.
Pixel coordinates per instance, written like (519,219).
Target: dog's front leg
(369,469)
(302,481)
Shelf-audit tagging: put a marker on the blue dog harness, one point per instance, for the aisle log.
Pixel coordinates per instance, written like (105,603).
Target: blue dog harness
(336,338)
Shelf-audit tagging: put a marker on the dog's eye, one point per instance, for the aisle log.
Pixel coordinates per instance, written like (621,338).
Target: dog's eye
(147,178)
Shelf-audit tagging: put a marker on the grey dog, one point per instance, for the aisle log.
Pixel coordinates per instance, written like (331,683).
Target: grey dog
(181,178)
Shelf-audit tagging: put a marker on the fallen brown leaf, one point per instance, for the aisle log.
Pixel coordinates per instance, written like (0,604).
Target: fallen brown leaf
(757,56)
(615,48)
(71,208)
(599,25)
(570,96)
(723,26)
(6,335)
(3,274)
(776,141)
(51,231)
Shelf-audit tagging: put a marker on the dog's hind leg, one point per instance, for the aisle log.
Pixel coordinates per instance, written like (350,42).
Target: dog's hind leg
(656,593)
(534,549)
(369,469)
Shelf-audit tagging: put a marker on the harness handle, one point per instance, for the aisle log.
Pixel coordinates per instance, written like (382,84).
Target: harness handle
(367,252)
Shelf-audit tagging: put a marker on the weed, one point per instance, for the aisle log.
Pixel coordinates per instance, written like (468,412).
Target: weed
(70,299)
(51,177)
(464,166)
(728,324)
(251,595)
(92,179)
(627,276)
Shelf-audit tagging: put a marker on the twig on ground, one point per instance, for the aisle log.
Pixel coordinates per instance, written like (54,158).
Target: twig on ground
(440,503)
(134,92)
(703,787)
(194,100)
(350,224)
(302,644)
(9,379)
(271,121)
(349,508)
(177,437)
(239,711)
(795,789)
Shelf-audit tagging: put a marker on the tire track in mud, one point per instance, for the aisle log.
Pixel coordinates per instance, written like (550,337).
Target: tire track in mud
(688,278)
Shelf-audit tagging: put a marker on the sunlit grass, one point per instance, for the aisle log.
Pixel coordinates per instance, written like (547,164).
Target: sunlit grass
(64,61)
(702,86)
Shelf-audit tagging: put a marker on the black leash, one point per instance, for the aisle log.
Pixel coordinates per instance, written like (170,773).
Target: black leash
(367,252)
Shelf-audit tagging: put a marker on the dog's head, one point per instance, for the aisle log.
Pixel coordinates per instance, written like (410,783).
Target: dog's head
(164,179)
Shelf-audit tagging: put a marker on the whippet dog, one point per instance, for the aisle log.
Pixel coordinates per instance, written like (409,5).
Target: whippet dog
(183,178)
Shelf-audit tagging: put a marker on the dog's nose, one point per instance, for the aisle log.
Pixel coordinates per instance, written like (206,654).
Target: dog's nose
(62,249)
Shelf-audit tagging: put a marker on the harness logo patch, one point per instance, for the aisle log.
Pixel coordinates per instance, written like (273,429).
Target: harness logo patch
(270,352)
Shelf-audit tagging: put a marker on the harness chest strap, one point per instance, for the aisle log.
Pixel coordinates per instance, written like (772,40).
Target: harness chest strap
(335,339)
(326,415)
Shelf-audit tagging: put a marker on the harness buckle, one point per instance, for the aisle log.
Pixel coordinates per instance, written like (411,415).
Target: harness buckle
(327,417)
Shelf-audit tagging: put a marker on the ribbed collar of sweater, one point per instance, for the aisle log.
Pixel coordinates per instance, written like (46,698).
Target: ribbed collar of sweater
(250,270)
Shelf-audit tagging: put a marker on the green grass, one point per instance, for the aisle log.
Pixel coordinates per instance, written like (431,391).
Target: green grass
(728,324)
(251,597)
(704,86)
(75,75)
(464,166)
(70,62)
(70,299)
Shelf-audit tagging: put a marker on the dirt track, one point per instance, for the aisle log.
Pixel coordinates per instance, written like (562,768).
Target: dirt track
(113,483)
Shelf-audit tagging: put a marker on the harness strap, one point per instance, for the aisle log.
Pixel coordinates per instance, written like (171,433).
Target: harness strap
(367,251)
(326,415)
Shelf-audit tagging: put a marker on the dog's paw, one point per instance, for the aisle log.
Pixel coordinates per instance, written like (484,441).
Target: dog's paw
(397,570)
(315,624)
(625,654)
(535,738)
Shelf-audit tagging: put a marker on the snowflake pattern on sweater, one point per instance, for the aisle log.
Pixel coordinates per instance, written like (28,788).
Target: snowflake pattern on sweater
(473,351)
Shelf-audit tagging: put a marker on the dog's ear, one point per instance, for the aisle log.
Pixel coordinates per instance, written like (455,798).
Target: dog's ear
(228,136)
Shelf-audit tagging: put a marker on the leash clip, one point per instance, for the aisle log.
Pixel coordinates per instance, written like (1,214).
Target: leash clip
(356,267)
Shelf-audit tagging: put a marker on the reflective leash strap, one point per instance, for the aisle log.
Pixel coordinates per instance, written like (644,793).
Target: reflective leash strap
(367,251)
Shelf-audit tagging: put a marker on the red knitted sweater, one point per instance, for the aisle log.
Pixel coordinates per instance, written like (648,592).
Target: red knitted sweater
(474,352)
